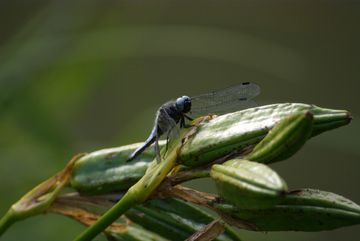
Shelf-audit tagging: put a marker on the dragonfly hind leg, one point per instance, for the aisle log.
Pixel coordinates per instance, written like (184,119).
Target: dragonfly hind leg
(157,150)
(167,142)
(172,133)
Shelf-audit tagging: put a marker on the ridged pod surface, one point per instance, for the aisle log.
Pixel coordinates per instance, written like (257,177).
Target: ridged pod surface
(248,184)
(301,210)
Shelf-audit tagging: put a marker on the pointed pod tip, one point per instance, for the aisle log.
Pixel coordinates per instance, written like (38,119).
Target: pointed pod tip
(309,115)
(349,116)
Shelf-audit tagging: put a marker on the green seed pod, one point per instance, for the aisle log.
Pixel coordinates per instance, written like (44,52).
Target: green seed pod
(107,170)
(248,184)
(303,210)
(175,219)
(284,139)
(240,129)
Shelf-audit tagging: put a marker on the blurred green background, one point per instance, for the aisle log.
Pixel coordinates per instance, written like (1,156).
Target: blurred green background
(80,76)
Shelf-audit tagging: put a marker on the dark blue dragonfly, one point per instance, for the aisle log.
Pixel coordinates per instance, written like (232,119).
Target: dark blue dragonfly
(176,111)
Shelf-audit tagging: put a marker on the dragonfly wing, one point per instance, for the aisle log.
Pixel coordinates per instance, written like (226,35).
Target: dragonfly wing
(223,101)
(167,125)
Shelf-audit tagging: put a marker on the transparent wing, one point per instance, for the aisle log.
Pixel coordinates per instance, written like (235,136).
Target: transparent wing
(166,123)
(223,101)
(168,128)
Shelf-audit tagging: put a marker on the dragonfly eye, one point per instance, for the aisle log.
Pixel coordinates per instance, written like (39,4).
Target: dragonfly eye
(183,104)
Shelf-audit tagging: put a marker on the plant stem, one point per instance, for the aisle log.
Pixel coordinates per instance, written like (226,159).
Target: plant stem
(109,217)
(138,193)
(6,221)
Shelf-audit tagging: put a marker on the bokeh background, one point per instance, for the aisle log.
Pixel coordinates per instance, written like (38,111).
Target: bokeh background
(80,76)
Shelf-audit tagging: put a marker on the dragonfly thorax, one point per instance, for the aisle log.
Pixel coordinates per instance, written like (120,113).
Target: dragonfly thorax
(183,104)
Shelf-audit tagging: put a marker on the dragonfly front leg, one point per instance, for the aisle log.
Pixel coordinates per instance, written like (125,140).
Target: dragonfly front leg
(182,120)
(188,117)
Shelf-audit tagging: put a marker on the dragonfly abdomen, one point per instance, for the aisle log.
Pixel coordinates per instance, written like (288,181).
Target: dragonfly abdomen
(150,140)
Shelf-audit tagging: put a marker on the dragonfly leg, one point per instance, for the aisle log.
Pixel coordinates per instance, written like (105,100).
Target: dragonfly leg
(182,122)
(173,132)
(157,149)
(188,117)
(167,142)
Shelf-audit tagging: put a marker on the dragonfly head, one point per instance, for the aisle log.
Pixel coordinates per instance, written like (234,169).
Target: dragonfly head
(183,104)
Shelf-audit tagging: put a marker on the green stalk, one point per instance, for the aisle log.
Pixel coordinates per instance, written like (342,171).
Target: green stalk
(39,199)
(7,220)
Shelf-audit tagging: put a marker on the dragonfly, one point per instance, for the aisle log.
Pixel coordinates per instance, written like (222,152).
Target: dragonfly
(174,112)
